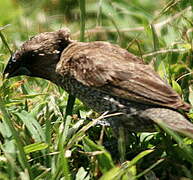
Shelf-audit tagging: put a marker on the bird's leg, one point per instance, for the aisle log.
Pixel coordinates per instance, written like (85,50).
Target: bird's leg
(70,105)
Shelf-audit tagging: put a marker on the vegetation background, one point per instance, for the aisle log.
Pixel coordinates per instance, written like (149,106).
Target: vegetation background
(37,141)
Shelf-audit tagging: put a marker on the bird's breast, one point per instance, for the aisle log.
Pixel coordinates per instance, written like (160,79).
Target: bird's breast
(97,99)
(101,102)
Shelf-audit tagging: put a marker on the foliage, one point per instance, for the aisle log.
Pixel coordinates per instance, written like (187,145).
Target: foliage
(37,140)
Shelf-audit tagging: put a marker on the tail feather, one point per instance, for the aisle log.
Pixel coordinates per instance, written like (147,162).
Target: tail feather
(171,119)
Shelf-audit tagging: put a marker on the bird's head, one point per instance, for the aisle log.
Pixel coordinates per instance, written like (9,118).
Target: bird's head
(38,56)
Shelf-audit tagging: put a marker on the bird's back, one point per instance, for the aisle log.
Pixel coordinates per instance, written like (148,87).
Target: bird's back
(114,71)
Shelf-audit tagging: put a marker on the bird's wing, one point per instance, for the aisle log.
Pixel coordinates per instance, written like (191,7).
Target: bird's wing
(113,70)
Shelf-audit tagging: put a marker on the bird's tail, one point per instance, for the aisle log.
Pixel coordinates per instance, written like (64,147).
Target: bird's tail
(170,119)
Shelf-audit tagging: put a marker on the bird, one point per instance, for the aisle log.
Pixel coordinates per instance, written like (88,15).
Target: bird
(106,78)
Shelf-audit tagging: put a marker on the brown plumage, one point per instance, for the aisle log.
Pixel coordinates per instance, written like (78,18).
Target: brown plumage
(105,77)
(115,71)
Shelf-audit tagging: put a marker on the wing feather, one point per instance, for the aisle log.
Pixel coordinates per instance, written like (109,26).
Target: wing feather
(113,70)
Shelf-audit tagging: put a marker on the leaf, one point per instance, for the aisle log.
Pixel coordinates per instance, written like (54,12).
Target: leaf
(32,125)
(127,168)
(155,38)
(30,96)
(35,147)
(104,158)
(140,156)
(160,67)
(176,87)
(190,95)
(186,46)
(82,174)
(110,175)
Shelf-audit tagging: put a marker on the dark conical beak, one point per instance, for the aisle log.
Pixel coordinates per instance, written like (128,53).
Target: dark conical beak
(10,68)
(15,68)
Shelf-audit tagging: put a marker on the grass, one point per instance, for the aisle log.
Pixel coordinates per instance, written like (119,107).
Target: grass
(38,138)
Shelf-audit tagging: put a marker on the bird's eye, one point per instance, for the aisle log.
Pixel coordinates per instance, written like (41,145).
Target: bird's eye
(13,60)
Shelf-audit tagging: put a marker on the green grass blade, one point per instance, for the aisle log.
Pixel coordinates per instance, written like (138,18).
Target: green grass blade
(4,40)
(82,19)
(18,142)
(103,157)
(32,125)
(35,147)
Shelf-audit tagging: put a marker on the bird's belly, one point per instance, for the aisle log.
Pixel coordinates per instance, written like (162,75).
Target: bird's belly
(102,102)
(131,118)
